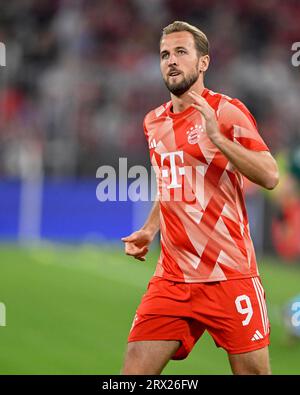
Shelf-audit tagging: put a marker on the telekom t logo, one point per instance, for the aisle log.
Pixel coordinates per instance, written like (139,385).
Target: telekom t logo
(165,172)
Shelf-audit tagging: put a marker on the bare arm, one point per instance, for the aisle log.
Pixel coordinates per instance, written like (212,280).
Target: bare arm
(152,223)
(259,167)
(138,242)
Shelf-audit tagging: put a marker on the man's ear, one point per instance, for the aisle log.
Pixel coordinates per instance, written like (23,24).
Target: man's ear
(204,63)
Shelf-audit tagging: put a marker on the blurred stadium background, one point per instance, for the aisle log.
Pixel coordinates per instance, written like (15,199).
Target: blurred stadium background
(79,77)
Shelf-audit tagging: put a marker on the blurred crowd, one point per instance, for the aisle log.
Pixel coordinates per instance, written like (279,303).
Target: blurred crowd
(81,74)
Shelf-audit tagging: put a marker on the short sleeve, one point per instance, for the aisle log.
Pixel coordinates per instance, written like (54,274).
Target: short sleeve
(145,129)
(238,124)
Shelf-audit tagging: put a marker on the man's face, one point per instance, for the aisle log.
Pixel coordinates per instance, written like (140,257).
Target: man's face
(179,62)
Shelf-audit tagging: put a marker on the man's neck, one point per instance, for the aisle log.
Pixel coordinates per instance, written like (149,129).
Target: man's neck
(184,101)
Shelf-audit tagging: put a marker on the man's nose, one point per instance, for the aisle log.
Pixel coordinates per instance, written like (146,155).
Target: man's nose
(172,60)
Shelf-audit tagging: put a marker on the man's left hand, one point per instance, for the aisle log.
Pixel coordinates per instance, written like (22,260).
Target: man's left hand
(212,128)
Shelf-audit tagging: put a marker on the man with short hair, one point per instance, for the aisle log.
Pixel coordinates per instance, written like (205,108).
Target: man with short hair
(201,144)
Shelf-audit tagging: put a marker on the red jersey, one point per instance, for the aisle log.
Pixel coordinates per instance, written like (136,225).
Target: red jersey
(204,226)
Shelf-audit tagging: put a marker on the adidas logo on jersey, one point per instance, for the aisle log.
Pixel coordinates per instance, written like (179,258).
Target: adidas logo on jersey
(152,144)
(194,134)
(257,336)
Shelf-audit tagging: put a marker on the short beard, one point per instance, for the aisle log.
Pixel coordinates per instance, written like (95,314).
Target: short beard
(183,86)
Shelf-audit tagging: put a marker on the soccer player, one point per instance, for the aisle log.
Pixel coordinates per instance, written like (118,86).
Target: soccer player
(201,144)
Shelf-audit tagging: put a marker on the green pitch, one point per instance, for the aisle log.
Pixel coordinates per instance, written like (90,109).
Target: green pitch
(69,310)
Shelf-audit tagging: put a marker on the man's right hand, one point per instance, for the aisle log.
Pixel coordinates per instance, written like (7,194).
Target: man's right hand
(137,244)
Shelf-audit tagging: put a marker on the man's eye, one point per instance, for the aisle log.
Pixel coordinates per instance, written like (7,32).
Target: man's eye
(181,51)
(164,56)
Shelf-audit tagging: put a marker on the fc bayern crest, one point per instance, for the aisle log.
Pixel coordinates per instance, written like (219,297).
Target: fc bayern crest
(194,134)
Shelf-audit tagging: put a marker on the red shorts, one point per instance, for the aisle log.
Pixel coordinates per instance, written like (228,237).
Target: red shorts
(233,312)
